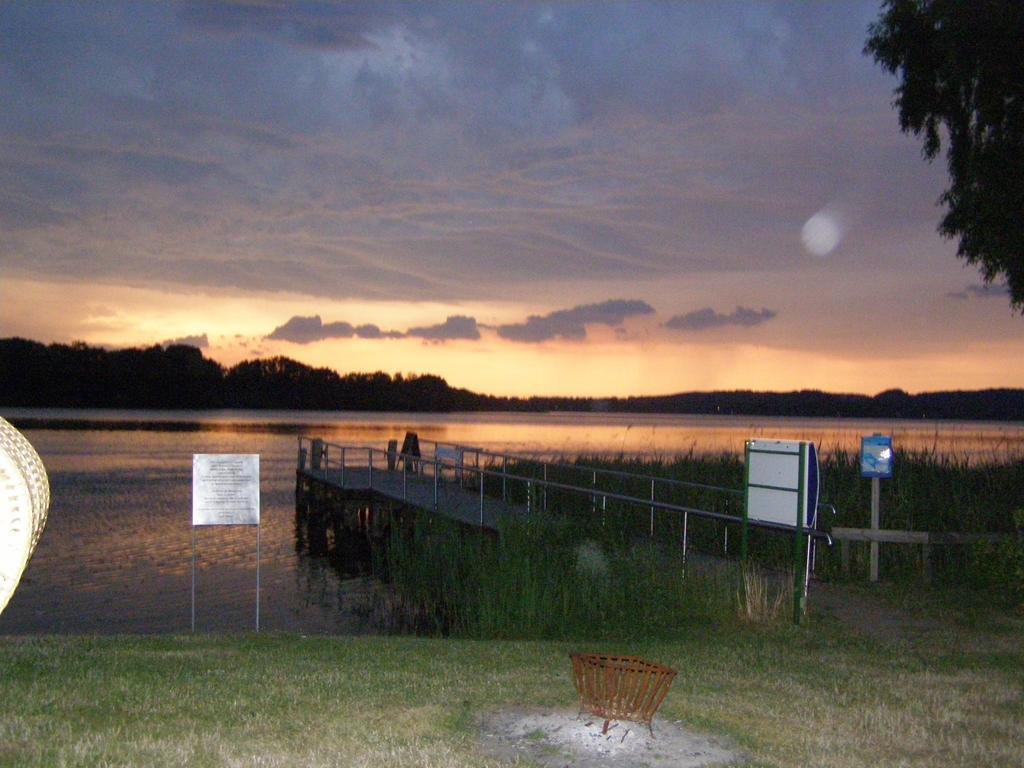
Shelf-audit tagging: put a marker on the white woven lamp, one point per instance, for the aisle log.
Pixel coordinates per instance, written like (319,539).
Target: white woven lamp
(24,503)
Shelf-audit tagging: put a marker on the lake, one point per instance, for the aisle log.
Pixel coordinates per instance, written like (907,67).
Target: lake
(116,556)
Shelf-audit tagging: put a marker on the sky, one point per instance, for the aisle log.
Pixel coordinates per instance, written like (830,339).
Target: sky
(587,199)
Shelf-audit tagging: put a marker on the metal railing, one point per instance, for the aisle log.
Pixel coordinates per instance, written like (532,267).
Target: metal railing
(473,475)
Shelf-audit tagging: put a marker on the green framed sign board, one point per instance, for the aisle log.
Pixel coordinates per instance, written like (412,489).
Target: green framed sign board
(782,492)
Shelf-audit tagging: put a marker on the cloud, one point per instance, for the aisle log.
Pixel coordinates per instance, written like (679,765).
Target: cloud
(361,151)
(324,28)
(566,323)
(976,291)
(706,319)
(200,342)
(305,330)
(455,327)
(371,331)
(19,214)
(572,323)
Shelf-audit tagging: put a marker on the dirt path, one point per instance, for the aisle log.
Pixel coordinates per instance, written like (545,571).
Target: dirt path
(870,615)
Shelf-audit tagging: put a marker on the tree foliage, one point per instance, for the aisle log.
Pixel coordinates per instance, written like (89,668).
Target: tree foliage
(34,375)
(961,64)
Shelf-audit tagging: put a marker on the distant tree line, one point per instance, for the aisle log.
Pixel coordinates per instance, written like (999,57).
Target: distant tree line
(987,404)
(179,377)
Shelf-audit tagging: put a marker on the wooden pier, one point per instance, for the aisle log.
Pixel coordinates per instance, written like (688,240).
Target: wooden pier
(367,491)
(385,491)
(366,488)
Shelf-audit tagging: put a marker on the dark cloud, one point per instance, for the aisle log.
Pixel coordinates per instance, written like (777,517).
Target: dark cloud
(572,323)
(20,214)
(305,330)
(371,331)
(200,342)
(134,164)
(976,291)
(165,169)
(706,319)
(326,26)
(566,324)
(456,327)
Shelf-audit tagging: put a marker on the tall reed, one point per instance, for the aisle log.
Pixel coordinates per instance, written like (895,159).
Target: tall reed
(595,567)
(929,491)
(546,578)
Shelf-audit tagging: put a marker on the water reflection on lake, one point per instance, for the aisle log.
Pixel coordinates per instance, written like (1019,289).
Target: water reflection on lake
(117,551)
(558,434)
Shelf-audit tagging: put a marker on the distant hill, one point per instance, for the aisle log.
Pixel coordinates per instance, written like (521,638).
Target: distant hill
(180,377)
(987,404)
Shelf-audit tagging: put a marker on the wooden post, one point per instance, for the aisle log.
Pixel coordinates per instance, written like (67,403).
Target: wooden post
(875,497)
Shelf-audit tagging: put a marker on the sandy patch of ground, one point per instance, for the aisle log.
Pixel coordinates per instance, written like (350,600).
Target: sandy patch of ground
(561,739)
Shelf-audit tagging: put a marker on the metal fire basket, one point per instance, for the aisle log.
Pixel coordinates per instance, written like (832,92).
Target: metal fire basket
(620,687)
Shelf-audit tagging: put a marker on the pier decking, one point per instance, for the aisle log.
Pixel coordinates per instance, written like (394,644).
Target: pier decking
(428,492)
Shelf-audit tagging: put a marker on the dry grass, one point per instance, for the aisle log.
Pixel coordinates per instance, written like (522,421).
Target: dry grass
(763,599)
(814,695)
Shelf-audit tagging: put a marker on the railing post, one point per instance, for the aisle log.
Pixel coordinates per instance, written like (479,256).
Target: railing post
(545,487)
(480,476)
(593,497)
(652,507)
(686,520)
(405,480)
(529,496)
(435,485)
(504,476)
(316,455)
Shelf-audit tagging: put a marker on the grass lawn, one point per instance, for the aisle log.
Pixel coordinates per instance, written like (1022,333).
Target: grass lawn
(816,695)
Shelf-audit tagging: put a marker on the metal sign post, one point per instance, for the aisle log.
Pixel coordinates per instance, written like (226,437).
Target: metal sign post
(225,491)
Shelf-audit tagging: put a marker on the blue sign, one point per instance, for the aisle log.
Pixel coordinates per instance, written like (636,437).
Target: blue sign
(812,486)
(876,456)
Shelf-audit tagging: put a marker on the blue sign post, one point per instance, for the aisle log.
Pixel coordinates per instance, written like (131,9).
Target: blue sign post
(876,459)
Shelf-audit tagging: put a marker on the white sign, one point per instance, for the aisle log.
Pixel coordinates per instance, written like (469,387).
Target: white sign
(782,481)
(225,489)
